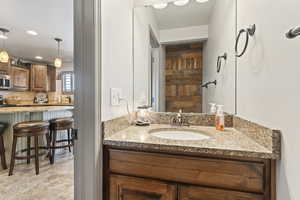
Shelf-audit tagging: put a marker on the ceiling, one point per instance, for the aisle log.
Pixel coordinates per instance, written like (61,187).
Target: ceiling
(192,14)
(49,19)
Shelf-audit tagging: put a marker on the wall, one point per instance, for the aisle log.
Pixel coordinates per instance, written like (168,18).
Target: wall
(192,33)
(268,81)
(117,71)
(221,39)
(144,21)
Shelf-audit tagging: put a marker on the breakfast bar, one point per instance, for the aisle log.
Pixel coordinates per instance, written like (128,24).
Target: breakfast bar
(13,115)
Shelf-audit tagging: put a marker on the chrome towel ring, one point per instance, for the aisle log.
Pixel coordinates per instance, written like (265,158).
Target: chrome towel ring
(249,32)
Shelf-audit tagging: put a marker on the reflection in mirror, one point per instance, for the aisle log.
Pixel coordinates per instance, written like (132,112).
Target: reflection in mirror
(184,55)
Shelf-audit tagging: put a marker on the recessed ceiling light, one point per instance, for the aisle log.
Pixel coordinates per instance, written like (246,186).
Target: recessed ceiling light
(160,5)
(31,32)
(4,37)
(181,2)
(202,1)
(39,57)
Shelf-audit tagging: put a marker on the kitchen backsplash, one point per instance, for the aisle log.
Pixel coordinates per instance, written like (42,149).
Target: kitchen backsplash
(28,96)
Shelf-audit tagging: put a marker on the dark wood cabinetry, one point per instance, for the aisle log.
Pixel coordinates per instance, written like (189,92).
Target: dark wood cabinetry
(39,78)
(194,177)
(202,193)
(43,78)
(4,68)
(130,188)
(20,78)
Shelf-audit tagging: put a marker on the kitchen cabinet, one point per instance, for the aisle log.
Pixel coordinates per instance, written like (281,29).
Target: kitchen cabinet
(189,176)
(130,188)
(43,78)
(51,76)
(39,78)
(4,68)
(20,78)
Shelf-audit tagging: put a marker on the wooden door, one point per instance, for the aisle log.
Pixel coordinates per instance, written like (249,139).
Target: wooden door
(39,78)
(130,188)
(202,193)
(184,78)
(20,78)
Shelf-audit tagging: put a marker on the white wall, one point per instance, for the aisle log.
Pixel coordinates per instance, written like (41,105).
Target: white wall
(221,39)
(117,71)
(268,81)
(143,20)
(192,33)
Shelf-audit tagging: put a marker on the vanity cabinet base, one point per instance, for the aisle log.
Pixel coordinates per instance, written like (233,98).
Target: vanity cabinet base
(138,175)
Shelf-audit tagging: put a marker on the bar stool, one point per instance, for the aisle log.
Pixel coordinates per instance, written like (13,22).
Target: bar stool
(60,124)
(3,126)
(28,129)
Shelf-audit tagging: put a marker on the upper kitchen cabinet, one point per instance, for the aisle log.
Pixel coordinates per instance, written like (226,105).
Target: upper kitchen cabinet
(20,78)
(43,78)
(39,78)
(4,68)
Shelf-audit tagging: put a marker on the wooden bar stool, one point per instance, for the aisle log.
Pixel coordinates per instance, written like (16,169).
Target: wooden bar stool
(3,126)
(28,129)
(60,124)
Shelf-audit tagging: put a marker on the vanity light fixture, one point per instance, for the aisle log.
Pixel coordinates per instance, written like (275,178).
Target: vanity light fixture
(181,2)
(4,57)
(58,60)
(32,32)
(202,1)
(160,6)
(39,57)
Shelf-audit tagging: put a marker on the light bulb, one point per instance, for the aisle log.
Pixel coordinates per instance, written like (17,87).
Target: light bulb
(181,2)
(160,5)
(4,57)
(58,62)
(202,1)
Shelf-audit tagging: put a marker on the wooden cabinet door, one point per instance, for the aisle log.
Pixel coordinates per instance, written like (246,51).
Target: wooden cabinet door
(39,78)
(129,188)
(201,193)
(20,78)
(51,73)
(4,67)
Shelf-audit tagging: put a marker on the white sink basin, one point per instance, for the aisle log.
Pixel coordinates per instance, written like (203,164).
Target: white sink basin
(179,134)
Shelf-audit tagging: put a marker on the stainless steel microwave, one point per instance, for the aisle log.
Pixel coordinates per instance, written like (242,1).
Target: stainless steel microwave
(5,82)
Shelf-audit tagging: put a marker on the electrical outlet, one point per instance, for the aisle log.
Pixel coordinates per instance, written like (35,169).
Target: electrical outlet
(115,96)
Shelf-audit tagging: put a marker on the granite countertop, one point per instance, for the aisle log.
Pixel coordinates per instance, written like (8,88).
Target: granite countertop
(230,142)
(35,108)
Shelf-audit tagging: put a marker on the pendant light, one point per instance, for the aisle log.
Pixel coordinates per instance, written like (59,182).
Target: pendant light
(58,60)
(4,57)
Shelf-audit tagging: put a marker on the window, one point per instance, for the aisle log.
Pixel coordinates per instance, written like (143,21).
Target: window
(67,82)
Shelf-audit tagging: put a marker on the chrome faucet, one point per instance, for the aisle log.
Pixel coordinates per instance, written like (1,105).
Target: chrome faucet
(179,119)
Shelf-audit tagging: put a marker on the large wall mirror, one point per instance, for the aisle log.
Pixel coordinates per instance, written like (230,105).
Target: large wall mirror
(184,55)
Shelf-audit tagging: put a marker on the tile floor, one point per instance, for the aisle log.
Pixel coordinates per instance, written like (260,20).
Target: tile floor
(55,182)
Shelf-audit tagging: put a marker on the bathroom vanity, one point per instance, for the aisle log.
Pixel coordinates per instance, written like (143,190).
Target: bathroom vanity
(237,164)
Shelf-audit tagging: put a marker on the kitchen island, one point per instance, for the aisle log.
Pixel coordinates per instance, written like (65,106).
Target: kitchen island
(13,115)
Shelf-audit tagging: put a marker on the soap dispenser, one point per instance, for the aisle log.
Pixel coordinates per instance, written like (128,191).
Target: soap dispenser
(220,119)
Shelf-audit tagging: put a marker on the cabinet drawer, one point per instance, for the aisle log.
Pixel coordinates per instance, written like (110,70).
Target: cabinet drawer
(201,193)
(229,174)
(130,188)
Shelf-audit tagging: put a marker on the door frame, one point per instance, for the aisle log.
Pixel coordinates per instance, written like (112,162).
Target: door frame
(87,68)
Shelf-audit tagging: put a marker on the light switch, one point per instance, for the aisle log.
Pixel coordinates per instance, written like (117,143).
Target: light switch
(115,96)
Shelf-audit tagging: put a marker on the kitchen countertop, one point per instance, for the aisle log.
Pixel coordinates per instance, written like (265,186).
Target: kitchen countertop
(230,142)
(35,108)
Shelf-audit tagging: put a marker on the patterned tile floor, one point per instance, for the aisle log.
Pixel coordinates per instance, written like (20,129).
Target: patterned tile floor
(55,182)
